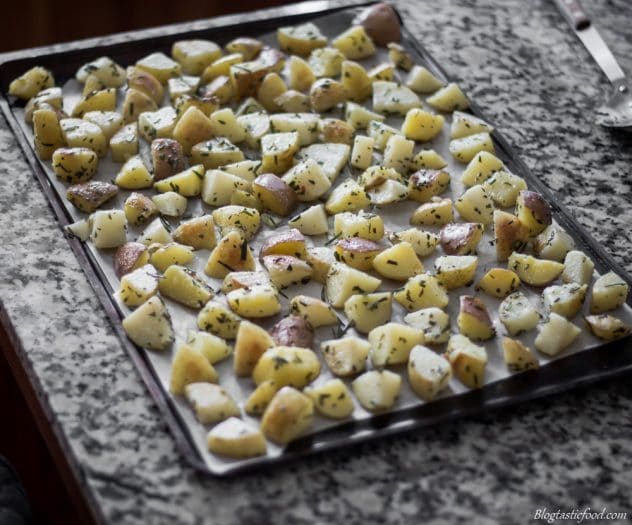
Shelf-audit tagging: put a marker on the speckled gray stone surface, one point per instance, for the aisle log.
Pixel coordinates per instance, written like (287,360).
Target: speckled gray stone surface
(534,79)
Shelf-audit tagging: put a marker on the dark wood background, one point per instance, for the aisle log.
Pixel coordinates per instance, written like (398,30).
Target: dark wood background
(29,23)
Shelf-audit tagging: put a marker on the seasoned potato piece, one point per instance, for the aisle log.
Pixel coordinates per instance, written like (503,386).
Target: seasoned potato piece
(287,365)
(231,254)
(82,134)
(190,366)
(149,326)
(245,169)
(468,361)
(187,183)
(135,103)
(533,211)
(235,280)
(473,320)
(48,137)
(425,184)
(423,81)
(499,282)
(518,357)
(210,402)
(357,85)
(260,398)
(428,159)
(536,272)
(510,234)
(326,62)
(242,218)
(355,43)
(128,257)
(449,98)
(273,58)
(192,128)
(168,254)
(377,390)
(476,205)
(88,196)
(362,152)
(155,232)
(331,399)
(363,224)
(424,243)
(374,176)
(170,204)
(207,104)
(565,300)
(109,121)
(226,125)
(146,83)
(195,55)
(74,164)
(366,311)
(184,85)
(346,356)
(219,320)
(398,153)
(399,262)
(359,116)
(553,243)
(185,286)
(343,281)
(381,22)
(320,258)
(290,242)
(108,72)
(433,322)
(157,124)
(293,331)
(348,196)
(287,270)
(31,83)
(214,348)
(380,133)
(251,107)
(461,238)
(555,335)
(98,100)
(388,192)
(517,314)
(422,125)
(464,125)
(422,291)
(301,39)
(357,252)
(382,72)
(139,209)
(399,57)
(250,344)
(289,414)
(336,131)
(437,212)
(390,97)
(134,175)
(607,327)
(504,187)
(428,372)
(236,439)
(312,221)
(275,194)
(248,47)
(256,302)
(50,99)
(218,187)
(316,312)
(466,148)
(305,124)
(391,343)
(124,143)
(609,292)
(454,271)
(300,74)
(277,151)
(578,268)
(326,93)
(160,66)
(139,285)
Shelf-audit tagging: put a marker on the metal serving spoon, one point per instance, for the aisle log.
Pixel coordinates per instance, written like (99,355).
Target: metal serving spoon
(616,112)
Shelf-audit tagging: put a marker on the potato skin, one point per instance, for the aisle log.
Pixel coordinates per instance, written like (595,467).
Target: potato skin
(457,239)
(167,158)
(275,194)
(88,196)
(127,256)
(293,331)
(381,23)
(474,307)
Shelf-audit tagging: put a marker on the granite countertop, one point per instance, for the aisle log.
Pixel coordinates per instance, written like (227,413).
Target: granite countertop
(531,76)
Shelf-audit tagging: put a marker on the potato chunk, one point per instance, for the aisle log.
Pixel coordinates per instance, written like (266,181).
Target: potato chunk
(316,312)
(210,402)
(346,356)
(608,293)
(134,175)
(355,43)
(499,282)
(480,168)
(422,291)
(275,194)
(163,256)
(476,205)
(566,299)
(288,416)
(607,327)
(473,320)
(79,133)
(260,398)
(331,399)
(399,262)
(391,343)
(421,125)
(377,390)
(461,238)
(325,94)
(504,187)
(437,212)
(468,361)
(510,234)
(555,335)
(290,242)
(128,257)
(300,74)
(250,344)
(428,372)
(553,243)
(287,365)
(423,242)
(109,228)
(464,124)
(235,439)
(73,164)
(185,286)
(214,348)
(357,252)
(149,326)
(454,271)
(578,268)
(48,138)
(533,211)
(517,314)
(423,81)
(198,233)
(195,55)
(287,270)
(312,221)
(390,97)
(219,320)
(247,220)
(466,148)
(424,184)
(343,282)
(31,83)
(307,180)
(301,39)
(536,272)
(88,196)
(366,311)
(358,87)
(348,196)
(518,357)
(139,285)
(449,98)
(362,153)
(363,224)
(124,143)
(189,366)
(433,322)
(160,66)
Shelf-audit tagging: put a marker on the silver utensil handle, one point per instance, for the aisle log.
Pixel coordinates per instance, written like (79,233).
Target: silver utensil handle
(588,34)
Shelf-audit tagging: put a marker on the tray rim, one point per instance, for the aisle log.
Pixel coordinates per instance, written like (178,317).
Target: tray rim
(380,425)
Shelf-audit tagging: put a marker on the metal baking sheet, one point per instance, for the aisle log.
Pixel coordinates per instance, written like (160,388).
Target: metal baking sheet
(588,359)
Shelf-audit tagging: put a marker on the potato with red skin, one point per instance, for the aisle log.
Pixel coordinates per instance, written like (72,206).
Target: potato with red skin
(167,158)
(473,320)
(275,194)
(534,211)
(128,257)
(510,234)
(381,23)
(461,238)
(291,242)
(293,331)
(357,252)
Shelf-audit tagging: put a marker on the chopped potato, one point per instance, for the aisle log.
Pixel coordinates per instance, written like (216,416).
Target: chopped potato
(468,361)
(255,302)
(109,228)
(307,180)
(366,311)
(357,252)
(88,196)
(247,220)
(343,281)
(288,416)
(287,270)
(433,322)
(149,326)
(290,242)
(504,187)
(553,243)
(423,81)
(139,285)
(454,271)
(73,164)
(461,238)
(355,43)
(476,205)
(449,98)
(499,282)
(428,372)
(424,243)
(363,224)
(422,291)
(391,343)
(260,398)
(316,312)
(185,286)
(163,256)
(422,125)
(437,212)
(348,196)
(301,39)
(312,221)
(214,348)
(566,299)
(533,210)
(466,148)
(346,356)
(210,402)
(287,365)
(578,268)
(231,254)
(189,366)
(517,314)
(332,399)
(250,344)
(236,439)
(399,262)
(473,320)
(377,390)
(390,97)
(555,335)
(607,327)
(536,272)
(48,137)
(358,87)
(219,320)
(608,293)
(510,234)
(518,357)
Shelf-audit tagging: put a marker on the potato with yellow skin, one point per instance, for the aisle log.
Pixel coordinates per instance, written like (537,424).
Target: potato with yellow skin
(210,402)
(533,210)
(47,135)
(331,399)
(377,390)
(185,286)
(31,83)
(219,320)
(231,254)
(607,327)
(518,357)
(343,281)
(536,272)
(149,326)
(437,212)
(355,81)
(199,233)
(73,164)
(454,271)
(421,125)
(256,302)
(391,343)
(291,242)
(194,55)
(190,366)
(301,39)
(476,205)
(425,184)
(461,238)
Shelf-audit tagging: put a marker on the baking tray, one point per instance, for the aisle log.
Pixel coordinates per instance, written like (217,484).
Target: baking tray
(606,360)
